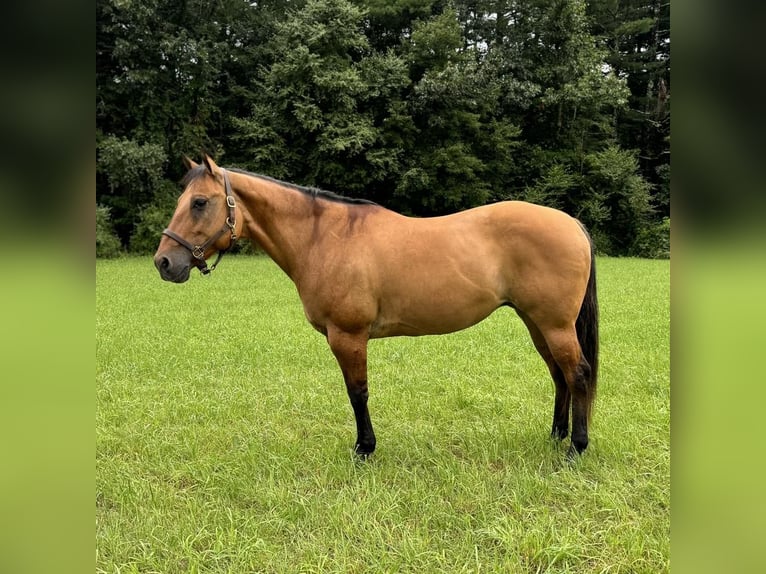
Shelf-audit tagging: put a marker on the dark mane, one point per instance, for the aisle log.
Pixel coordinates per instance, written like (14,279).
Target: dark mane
(313,192)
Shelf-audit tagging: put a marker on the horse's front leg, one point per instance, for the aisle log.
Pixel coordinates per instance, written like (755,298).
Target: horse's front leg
(350,350)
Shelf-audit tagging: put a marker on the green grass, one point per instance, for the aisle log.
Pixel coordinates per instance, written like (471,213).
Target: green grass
(224,435)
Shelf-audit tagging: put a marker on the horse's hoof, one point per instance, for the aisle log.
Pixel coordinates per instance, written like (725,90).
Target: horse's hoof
(575,452)
(559,434)
(363,452)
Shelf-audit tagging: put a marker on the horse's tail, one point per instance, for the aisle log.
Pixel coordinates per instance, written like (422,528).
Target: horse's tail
(587,327)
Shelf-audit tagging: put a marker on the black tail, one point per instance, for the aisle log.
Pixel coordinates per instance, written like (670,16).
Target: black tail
(587,327)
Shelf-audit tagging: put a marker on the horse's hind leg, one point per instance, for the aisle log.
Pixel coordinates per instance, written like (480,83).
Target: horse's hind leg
(561,405)
(566,351)
(351,352)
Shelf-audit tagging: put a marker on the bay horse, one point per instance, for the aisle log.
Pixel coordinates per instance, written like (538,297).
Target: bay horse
(363,272)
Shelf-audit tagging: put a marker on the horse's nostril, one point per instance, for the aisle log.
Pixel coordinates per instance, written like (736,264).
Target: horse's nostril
(162,263)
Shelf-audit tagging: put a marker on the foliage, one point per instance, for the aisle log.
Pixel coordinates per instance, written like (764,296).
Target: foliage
(654,240)
(424,106)
(620,200)
(131,173)
(636,37)
(313,119)
(107,242)
(553,188)
(152,219)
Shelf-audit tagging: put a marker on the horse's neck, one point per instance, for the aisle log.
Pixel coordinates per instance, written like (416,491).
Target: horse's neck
(276,219)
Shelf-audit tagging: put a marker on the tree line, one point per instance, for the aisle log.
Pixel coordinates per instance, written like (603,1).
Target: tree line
(424,106)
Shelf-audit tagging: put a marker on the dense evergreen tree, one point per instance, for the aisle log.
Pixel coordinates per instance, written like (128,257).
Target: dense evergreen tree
(636,34)
(426,106)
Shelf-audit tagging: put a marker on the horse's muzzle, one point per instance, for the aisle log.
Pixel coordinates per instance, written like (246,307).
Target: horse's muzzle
(172,267)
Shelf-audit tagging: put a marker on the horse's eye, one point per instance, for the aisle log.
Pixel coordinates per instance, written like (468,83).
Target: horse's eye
(199,202)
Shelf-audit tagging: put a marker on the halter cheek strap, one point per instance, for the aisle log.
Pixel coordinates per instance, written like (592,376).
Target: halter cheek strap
(198,251)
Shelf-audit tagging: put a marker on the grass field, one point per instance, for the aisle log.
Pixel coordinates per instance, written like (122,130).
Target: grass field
(224,435)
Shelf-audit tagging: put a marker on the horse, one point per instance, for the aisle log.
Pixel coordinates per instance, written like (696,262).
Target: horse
(364,272)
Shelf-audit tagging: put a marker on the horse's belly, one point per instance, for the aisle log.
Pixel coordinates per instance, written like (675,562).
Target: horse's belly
(433,315)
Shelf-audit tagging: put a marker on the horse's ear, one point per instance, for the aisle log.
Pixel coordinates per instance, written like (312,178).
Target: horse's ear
(189,163)
(212,168)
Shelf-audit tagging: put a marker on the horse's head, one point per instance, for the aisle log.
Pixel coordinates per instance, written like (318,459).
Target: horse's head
(205,222)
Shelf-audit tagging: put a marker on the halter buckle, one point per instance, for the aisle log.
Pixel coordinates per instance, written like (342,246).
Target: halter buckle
(198,252)
(230,201)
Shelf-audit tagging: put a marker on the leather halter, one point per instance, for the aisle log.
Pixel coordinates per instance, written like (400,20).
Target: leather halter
(198,251)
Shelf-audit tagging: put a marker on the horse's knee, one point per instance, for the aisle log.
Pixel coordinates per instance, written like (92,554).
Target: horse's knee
(358,394)
(358,389)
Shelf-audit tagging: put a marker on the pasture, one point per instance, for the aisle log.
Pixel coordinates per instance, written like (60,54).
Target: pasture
(224,435)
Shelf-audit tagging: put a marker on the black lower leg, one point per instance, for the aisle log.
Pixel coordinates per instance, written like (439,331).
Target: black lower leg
(560,428)
(580,408)
(365,437)
(579,439)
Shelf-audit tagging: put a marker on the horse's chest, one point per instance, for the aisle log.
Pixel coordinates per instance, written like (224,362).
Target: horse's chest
(340,303)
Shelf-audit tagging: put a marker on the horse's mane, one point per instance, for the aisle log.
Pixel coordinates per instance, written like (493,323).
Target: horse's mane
(313,192)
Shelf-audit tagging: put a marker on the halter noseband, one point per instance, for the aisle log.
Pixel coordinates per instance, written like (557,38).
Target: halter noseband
(198,251)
